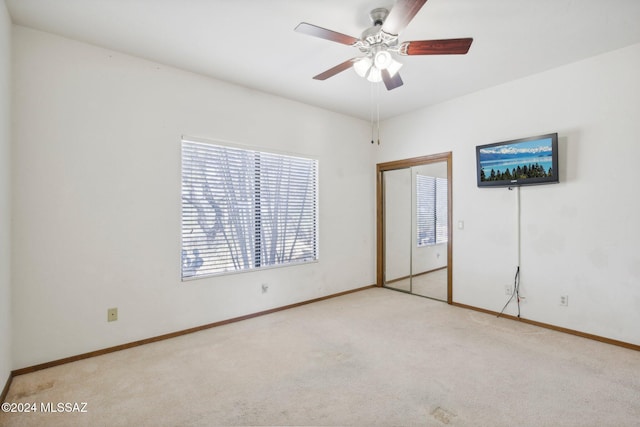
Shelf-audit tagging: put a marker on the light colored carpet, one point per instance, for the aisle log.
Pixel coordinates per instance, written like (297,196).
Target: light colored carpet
(432,285)
(375,357)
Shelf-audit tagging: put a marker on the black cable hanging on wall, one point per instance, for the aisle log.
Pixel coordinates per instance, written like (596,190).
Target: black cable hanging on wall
(515,294)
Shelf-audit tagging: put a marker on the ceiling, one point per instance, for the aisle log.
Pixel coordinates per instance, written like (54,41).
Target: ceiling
(252,43)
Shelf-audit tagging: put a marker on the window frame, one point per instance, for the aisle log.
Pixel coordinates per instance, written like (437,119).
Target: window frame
(315,171)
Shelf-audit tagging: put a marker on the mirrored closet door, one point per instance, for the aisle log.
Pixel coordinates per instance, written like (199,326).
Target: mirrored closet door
(397,226)
(414,218)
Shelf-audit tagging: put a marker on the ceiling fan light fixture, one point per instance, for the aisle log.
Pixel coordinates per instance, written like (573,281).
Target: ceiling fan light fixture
(367,68)
(382,59)
(374,75)
(394,67)
(362,66)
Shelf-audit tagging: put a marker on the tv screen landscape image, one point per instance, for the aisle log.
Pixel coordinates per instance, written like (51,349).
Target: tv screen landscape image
(525,161)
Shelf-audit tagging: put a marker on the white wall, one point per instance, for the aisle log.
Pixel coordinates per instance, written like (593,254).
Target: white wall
(5,195)
(580,237)
(96,160)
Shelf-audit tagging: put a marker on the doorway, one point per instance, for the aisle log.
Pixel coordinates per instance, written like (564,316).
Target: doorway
(414,237)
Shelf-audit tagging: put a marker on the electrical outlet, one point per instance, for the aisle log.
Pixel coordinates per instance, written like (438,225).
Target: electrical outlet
(508,290)
(564,300)
(112,314)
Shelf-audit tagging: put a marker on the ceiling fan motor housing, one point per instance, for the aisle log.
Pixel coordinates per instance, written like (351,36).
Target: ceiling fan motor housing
(374,37)
(378,16)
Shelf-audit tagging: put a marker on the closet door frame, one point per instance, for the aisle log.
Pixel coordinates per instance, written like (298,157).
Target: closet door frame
(380,228)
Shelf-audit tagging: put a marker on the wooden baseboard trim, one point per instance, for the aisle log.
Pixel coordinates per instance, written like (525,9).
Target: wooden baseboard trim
(552,327)
(70,359)
(5,390)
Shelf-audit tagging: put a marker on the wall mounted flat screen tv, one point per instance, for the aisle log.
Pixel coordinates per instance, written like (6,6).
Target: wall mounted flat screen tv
(525,161)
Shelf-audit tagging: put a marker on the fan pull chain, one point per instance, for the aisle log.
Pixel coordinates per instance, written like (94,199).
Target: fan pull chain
(371,110)
(375,127)
(378,108)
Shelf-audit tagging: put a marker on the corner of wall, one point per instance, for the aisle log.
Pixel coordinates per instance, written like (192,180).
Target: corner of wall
(5,200)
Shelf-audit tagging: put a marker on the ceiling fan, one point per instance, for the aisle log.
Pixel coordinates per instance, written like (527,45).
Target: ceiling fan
(381,40)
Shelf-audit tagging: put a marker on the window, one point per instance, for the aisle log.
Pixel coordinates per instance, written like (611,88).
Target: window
(245,209)
(432,206)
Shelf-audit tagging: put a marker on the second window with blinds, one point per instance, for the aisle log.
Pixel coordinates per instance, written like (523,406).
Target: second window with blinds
(244,209)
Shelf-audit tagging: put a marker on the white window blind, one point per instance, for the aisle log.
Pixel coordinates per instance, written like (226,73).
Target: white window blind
(431,205)
(245,209)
